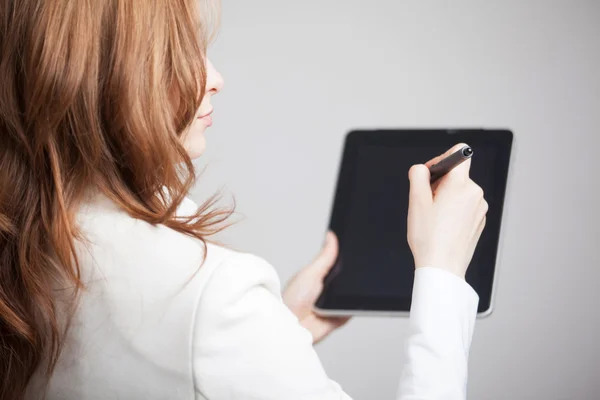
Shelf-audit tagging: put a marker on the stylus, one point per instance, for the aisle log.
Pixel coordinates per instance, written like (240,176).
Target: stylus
(449,163)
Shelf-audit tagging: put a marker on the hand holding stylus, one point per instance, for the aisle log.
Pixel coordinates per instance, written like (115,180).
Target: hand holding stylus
(445,224)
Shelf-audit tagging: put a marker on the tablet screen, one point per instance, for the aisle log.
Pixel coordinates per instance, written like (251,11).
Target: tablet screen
(375,268)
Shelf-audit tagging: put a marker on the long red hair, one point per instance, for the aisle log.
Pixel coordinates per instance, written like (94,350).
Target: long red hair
(85,101)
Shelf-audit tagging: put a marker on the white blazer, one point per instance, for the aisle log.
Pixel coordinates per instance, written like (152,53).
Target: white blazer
(153,324)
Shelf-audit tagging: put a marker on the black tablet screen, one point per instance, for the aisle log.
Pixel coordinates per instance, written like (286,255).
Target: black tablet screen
(375,269)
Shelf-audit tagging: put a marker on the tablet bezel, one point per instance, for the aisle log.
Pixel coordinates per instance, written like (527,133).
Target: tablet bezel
(502,139)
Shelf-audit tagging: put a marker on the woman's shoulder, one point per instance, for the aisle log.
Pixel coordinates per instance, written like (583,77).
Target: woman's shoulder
(113,240)
(109,233)
(237,273)
(127,262)
(144,289)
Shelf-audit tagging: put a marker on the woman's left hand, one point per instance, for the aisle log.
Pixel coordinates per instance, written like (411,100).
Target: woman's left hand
(304,289)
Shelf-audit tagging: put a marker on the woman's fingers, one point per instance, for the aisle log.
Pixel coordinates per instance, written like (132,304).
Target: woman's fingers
(326,258)
(420,188)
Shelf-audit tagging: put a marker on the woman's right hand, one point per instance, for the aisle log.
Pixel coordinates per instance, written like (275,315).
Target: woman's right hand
(445,222)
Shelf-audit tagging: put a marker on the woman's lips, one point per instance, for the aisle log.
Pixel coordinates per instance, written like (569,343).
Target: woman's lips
(207,118)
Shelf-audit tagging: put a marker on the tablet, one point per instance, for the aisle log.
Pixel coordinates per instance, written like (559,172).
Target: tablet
(374,271)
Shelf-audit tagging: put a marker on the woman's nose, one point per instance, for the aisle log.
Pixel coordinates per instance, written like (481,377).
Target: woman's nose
(214,80)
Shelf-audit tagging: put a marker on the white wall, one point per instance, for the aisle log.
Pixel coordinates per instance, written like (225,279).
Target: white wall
(300,74)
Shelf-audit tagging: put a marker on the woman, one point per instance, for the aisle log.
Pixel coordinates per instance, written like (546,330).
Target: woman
(108,286)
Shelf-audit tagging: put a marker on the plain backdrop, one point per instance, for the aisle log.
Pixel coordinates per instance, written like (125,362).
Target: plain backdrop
(300,74)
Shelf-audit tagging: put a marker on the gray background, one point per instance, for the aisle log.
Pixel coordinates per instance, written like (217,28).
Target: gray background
(300,74)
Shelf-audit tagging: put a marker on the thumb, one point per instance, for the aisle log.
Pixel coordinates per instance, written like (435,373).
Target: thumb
(420,188)
(326,258)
